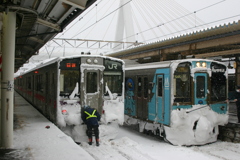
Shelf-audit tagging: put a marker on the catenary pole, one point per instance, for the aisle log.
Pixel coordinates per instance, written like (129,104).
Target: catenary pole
(7,93)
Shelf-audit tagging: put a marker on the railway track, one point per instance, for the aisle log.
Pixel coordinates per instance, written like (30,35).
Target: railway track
(116,150)
(220,150)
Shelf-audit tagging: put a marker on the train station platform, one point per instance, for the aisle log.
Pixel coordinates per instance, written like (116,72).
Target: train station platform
(35,137)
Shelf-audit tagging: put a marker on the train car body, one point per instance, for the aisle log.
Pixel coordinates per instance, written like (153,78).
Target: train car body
(60,87)
(181,100)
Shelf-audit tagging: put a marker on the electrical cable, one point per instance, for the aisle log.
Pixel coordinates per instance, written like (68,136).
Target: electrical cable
(159,26)
(170,21)
(104,17)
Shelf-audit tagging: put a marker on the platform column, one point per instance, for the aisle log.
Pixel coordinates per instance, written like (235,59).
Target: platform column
(0,77)
(7,92)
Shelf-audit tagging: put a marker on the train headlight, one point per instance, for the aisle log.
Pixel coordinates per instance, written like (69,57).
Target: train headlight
(201,64)
(198,64)
(95,61)
(204,64)
(89,61)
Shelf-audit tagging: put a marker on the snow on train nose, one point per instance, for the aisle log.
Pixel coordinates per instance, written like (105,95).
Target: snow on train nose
(204,130)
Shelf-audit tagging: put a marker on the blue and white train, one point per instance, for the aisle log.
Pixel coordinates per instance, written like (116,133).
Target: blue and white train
(181,100)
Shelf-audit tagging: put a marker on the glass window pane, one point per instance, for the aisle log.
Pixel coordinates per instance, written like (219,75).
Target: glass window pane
(92,86)
(139,87)
(218,87)
(68,80)
(200,87)
(182,83)
(160,88)
(218,82)
(145,87)
(114,82)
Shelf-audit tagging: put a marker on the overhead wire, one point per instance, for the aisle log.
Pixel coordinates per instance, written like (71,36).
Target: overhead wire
(103,17)
(180,17)
(84,14)
(200,25)
(137,25)
(189,16)
(90,19)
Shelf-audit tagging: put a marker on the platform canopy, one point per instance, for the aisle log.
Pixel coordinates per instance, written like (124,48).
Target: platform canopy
(38,21)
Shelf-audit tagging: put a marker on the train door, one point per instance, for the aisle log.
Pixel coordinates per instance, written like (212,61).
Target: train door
(47,94)
(159,107)
(142,97)
(160,98)
(93,89)
(200,88)
(33,88)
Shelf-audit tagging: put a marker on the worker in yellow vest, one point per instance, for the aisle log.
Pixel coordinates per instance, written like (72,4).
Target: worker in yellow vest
(90,117)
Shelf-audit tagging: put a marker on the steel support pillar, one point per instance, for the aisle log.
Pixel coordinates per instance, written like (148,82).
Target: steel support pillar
(1,19)
(7,92)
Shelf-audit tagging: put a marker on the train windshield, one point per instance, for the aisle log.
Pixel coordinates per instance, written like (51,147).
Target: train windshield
(218,82)
(113,76)
(69,76)
(114,82)
(182,83)
(68,80)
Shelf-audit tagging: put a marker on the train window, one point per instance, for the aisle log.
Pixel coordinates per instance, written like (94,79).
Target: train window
(114,82)
(47,83)
(68,81)
(53,79)
(200,87)
(160,86)
(218,87)
(218,82)
(145,86)
(181,83)
(139,87)
(29,84)
(39,83)
(92,85)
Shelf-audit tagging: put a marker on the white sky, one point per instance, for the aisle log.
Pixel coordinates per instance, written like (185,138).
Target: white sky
(177,15)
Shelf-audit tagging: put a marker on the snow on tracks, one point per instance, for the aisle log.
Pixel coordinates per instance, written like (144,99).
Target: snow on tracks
(221,150)
(120,149)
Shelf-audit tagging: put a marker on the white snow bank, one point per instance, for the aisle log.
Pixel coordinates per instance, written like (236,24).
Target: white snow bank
(114,110)
(194,128)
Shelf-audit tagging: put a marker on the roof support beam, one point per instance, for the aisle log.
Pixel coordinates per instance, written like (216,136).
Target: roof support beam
(187,48)
(49,24)
(81,4)
(37,40)
(220,53)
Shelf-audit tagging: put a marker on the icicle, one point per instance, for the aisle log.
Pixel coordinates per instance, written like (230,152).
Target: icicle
(109,92)
(75,91)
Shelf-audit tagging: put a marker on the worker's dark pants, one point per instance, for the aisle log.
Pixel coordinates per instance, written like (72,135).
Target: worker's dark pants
(238,112)
(92,129)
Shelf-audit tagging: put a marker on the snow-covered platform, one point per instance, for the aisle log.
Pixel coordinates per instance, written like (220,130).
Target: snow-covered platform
(35,137)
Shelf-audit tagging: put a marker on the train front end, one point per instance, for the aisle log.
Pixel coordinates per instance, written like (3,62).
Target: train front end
(95,81)
(199,92)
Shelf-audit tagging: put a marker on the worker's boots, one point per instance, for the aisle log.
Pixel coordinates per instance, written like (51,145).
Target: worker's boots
(97,142)
(90,141)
